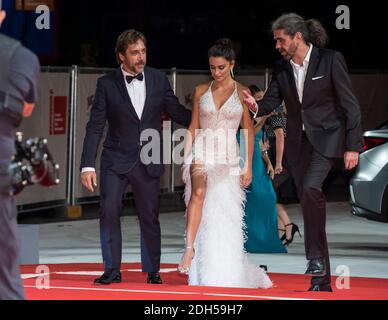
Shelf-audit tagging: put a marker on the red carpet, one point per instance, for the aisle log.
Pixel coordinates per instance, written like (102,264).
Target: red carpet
(74,282)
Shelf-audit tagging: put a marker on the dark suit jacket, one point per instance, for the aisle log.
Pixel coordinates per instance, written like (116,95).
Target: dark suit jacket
(112,104)
(329,110)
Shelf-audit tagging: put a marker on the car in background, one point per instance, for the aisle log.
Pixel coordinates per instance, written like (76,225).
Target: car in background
(369,185)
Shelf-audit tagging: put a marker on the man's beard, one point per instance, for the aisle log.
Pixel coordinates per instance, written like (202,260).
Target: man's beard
(291,52)
(139,64)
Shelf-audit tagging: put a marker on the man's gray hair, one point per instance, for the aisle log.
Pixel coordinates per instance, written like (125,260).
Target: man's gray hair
(291,23)
(312,30)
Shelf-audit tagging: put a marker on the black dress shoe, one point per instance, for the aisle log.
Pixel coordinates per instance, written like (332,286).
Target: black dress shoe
(108,277)
(154,278)
(321,287)
(316,268)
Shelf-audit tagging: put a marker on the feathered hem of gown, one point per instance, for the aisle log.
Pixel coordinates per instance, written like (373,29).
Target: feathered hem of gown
(220,258)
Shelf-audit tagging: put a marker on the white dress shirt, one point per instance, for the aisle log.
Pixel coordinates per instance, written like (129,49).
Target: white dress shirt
(137,92)
(300,72)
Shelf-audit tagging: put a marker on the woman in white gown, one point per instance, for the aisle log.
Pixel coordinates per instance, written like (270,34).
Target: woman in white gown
(214,194)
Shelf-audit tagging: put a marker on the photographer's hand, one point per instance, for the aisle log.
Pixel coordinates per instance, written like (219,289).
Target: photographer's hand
(89,180)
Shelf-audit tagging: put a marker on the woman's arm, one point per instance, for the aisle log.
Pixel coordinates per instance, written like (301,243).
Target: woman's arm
(279,133)
(267,161)
(194,124)
(246,124)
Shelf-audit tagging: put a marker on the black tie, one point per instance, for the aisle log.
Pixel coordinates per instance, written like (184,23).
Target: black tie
(139,77)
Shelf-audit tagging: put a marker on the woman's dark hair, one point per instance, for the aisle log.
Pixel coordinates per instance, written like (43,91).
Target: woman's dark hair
(254,89)
(125,39)
(312,30)
(223,48)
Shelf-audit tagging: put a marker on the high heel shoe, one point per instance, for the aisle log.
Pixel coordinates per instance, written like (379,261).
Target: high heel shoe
(283,237)
(294,230)
(185,269)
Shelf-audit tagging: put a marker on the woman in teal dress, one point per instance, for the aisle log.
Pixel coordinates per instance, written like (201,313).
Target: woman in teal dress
(260,208)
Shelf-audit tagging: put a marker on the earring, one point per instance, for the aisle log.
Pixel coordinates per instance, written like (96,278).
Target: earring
(232,73)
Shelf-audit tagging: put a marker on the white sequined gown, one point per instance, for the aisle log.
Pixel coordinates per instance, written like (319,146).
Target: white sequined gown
(220,259)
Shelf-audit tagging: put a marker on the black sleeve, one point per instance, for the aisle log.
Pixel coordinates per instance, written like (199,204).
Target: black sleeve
(272,98)
(348,103)
(175,110)
(95,127)
(24,73)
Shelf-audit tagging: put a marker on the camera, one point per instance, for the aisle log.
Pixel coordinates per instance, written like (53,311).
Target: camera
(32,164)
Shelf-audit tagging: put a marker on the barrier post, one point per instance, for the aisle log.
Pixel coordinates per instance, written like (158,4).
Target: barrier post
(73,211)
(266,79)
(172,177)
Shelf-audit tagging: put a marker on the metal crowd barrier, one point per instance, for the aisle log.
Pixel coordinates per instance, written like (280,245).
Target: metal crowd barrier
(65,99)
(49,119)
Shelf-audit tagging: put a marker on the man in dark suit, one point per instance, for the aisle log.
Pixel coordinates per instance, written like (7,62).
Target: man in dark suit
(323,124)
(131,99)
(18,91)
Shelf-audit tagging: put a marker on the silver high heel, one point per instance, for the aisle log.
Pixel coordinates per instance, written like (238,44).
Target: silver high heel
(185,270)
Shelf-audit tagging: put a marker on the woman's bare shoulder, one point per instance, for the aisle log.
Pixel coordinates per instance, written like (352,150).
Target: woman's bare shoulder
(241,88)
(201,89)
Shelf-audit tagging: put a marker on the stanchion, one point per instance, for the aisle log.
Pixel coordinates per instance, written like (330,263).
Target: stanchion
(73,211)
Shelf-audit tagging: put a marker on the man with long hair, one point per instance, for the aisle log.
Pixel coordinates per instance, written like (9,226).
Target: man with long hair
(324,124)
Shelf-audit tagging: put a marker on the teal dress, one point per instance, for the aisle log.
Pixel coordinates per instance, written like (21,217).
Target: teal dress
(260,208)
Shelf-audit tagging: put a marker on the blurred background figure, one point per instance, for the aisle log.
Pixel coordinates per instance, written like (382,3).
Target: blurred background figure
(18,92)
(257,93)
(260,207)
(275,135)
